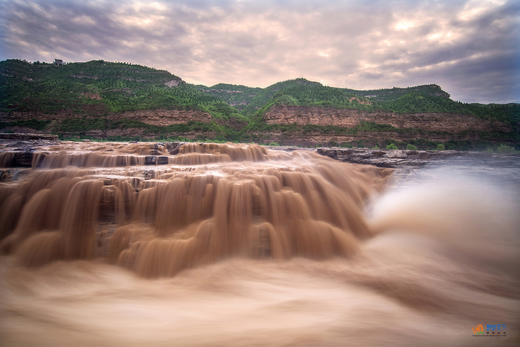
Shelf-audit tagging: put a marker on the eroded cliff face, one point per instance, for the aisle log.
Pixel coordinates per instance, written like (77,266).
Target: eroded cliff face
(364,139)
(160,117)
(348,118)
(165,117)
(143,124)
(289,125)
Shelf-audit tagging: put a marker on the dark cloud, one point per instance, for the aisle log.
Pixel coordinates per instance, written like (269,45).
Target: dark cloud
(471,48)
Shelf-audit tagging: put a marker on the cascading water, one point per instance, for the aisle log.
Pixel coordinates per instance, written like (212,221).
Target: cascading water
(249,201)
(241,245)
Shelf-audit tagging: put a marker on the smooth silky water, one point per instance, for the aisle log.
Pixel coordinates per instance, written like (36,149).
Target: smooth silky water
(240,245)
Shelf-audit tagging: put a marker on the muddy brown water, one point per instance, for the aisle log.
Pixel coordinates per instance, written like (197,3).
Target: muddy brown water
(241,245)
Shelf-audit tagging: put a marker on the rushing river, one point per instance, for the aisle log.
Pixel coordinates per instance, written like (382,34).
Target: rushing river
(237,245)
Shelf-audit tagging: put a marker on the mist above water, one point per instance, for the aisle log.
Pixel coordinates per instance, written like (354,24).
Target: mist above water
(255,247)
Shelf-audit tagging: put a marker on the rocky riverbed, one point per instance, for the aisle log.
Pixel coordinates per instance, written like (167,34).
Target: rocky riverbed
(18,152)
(389,158)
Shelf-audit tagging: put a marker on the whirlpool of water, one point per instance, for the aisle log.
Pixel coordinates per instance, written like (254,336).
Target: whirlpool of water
(220,244)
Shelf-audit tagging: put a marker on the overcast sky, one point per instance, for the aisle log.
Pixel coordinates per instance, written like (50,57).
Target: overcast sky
(470,48)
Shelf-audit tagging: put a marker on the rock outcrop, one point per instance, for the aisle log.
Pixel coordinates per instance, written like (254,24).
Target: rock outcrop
(387,158)
(329,126)
(164,117)
(160,117)
(348,118)
(28,136)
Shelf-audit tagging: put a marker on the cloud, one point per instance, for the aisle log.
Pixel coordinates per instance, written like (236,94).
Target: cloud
(470,48)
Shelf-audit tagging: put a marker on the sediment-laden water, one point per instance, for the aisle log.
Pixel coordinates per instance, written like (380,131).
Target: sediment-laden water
(218,244)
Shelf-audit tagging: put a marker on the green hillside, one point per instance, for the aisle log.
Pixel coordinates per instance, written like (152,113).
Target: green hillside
(104,87)
(427,98)
(301,92)
(100,89)
(238,96)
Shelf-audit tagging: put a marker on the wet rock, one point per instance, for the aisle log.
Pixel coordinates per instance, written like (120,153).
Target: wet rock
(107,203)
(39,159)
(156,150)
(136,184)
(394,154)
(149,174)
(155,160)
(386,158)
(19,173)
(162,160)
(5,175)
(28,136)
(173,147)
(22,159)
(377,154)
(150,160)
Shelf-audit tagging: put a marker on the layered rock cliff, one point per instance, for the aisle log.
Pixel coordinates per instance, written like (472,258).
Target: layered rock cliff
(348,118)
(316,125)
(165,117)
(119,101)
(159,117)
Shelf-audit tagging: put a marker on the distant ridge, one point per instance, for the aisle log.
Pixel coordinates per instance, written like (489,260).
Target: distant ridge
(126,95)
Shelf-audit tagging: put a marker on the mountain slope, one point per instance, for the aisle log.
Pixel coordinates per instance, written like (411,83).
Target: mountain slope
(124,101)
(104,89)
(238,96)
(116,86)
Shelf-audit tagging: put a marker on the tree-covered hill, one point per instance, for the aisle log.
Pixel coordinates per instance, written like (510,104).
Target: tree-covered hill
(116,87)
(97,86)
(301,92)
(419,99)
(101,91)
(238,96)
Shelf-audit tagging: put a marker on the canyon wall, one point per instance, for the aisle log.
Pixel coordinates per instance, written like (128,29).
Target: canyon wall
(318,125)
(139,124)
(286,125)
(348,118)
(165,117)
(160,117)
